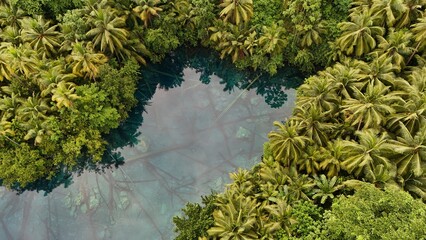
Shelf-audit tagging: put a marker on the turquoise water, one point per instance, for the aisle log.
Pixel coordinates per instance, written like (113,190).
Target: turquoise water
(193,134)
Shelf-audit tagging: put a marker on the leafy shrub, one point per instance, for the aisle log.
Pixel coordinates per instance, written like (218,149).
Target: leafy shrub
(197,219)
(372,213)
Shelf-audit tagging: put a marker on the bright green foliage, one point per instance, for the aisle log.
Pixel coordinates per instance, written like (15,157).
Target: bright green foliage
(309,219)
(22,164)
(160,42)
(120,85)
(97,113)
(197,219)
(266,12)
(51,7)
(375,214)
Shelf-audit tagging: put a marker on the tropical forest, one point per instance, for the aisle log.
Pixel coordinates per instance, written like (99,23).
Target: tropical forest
(319,107)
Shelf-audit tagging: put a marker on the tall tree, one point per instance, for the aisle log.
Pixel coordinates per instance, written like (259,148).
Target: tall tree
(147,9)
(108,32)
(370,108)
(411,150)
(359,35)
(370,151)
(236,11)
(84,61)
(41,35)
(273,40)
(388,11)
(286,143)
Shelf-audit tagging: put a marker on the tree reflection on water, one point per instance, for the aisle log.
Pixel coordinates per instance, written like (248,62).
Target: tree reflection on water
(192,136)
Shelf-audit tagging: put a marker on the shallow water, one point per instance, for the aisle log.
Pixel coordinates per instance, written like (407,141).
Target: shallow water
(192,136)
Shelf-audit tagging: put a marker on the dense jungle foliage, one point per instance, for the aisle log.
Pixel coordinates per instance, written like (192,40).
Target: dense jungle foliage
(339,166)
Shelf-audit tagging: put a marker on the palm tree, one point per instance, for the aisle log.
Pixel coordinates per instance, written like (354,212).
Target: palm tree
(236,11)
(358,36)
(388,11)
(232,44)
(411,13)
(411,114)
(271,171)
(380,175)
(235,219)
(331,158)
(134,48)
(313,124)
(107,32)
(371,150)
(411,151)
(11,35)
(9,106)
(319,92)
(281,214)
(6,128)
(311,35)
(344,78)
(325,188)
(251,42)
(411,111)
(286,143)
(34,108)
(147,9)
(186,14)
(11,15)
(299,186)
(48,78)
(23,60)
(309,161)
(64,94)
(273,39)
(360,5)
(414,185)
(371,108)
(85,62)
(241,182)
(37,130)
(380,71)
(419,30)
(6,70)
(397,47)
(41,35)
(230,40)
